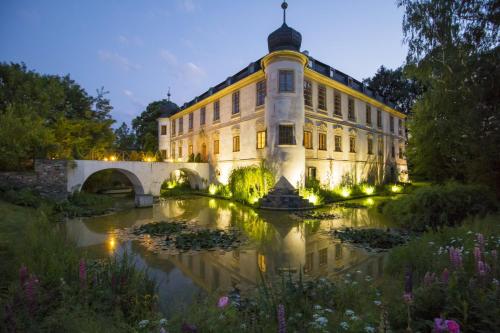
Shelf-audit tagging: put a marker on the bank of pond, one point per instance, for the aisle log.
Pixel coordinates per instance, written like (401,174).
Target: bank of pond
(426,260)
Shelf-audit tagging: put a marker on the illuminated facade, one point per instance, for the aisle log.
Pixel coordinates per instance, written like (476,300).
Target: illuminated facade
(303,117)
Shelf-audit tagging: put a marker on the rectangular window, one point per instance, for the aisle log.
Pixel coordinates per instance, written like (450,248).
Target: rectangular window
(261,139)
(216,110)
(323,257)
(203,115)
(380,147)
(181,125)
(308,94)
(370,146)
(338,143)
(391,123)
(172,126)
(368,114)
(261,92)
(352,144)
(172,149)
(286,136)
(236,143)
(337,104)
(236,102)
(190,150)
(308,140)
(163,130)
(322,141)
(401,152)
(216,147)
(180,151)
(379,119)
(400,127)
(322,97)
(163,154)
(191,117)
(286,81)
(350,109)
(311,173)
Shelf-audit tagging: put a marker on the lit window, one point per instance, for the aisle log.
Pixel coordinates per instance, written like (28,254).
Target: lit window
(322,141)
(286,136)
(338,143)
(350,108)
(311,173)
(368,114)
(379,119)
(190,150)
(261,139)
(236,143)
(323,257)
(286,81)
(181,126)
(191,117)
(308,98)
(337,104)
(203,114)
(236,102)
(172,126)
(308,144)
(180,151)
(216,110)
(391,124)
(163,130)
(172,149)
(370,146)
(261,92)
(352,144)
(322,97)
(216,147)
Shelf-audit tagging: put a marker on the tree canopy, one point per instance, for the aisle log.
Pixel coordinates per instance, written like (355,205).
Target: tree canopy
(49,116)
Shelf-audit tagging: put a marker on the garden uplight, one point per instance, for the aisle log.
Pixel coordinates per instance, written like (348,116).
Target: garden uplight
(396,188)
(368,190)
(313,198)
(345,192)
(212,189)
(112,158)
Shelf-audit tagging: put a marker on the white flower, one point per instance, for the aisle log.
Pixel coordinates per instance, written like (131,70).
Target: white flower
(377,303)
(243,326)
(349,313)
(369,329)
(317,307)
(358,271)
(431,243)
(163,322)
(354,318)
(143,323)
(368,278)
(344,325)
(329,310)
(321,321)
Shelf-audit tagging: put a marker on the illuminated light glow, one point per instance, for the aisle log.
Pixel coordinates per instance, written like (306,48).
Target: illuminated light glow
(253,200)
(112,158)
(212,189)
(111,244)
(369,190)
(369,202)
(105,159)
(345,192)
(396,188)
(313,198)
(212,203)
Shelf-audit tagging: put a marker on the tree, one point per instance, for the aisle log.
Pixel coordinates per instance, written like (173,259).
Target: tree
(125,138)
(146,124)
(454,52)
(69,123)
(395,86)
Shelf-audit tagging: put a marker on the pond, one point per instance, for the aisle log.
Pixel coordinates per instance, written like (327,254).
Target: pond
(275,242)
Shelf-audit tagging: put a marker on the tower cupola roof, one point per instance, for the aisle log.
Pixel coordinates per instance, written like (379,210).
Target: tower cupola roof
(284,38)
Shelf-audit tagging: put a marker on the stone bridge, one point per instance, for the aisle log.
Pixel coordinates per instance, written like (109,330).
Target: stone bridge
(146,177)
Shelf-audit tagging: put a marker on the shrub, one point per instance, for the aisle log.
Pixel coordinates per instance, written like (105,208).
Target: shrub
(248,184)
(440,205)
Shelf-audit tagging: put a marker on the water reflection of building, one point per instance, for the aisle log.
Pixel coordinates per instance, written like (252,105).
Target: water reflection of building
(274,246)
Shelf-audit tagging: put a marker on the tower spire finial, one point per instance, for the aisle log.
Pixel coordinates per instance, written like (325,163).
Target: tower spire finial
(168,94)
(284,5)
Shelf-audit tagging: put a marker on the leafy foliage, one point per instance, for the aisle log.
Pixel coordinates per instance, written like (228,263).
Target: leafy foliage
(247,184)
(441,205)
(49,116)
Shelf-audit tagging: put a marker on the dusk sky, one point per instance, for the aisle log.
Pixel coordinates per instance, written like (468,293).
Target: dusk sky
(137,49)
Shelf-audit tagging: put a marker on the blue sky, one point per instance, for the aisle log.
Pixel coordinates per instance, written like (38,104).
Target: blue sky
(137,49)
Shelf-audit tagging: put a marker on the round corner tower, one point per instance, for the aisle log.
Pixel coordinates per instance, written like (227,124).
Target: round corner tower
(284,107)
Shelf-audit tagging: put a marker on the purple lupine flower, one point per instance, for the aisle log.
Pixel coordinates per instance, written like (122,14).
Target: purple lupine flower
(480,240)
(281,319)
(440,325)
(477,254)
(83,273)
(445,276)
(429,279)
(23,274)
(30,290)
(455,257)
(223,302)
(188,328)
(452,326)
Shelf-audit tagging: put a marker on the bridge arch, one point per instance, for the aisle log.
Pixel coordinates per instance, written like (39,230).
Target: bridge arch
(195,179)
(134,180)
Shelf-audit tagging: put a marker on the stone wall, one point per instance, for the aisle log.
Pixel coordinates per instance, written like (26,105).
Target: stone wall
(49,179)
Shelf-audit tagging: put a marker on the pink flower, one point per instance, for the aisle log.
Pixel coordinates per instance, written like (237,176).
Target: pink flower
(455,257)
(429,279)
(223,302)
(453,326)
(408,297)
(82,273)
(481,268)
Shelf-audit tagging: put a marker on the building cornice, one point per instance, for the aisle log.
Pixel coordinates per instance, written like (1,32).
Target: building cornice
(287,54)
(311,74)
(229,89)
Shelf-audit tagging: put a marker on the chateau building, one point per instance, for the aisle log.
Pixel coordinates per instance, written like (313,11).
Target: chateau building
(302,117)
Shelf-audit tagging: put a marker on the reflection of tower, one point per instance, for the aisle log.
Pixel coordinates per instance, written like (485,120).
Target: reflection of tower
(284,114)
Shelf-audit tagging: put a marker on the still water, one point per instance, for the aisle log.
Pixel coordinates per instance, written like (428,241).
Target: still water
(276,242)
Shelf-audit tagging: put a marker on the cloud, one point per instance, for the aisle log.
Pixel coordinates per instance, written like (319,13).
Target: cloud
(187,71)
(130,41)
(170,58)
(133,99)
(117,59)
(194,72)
